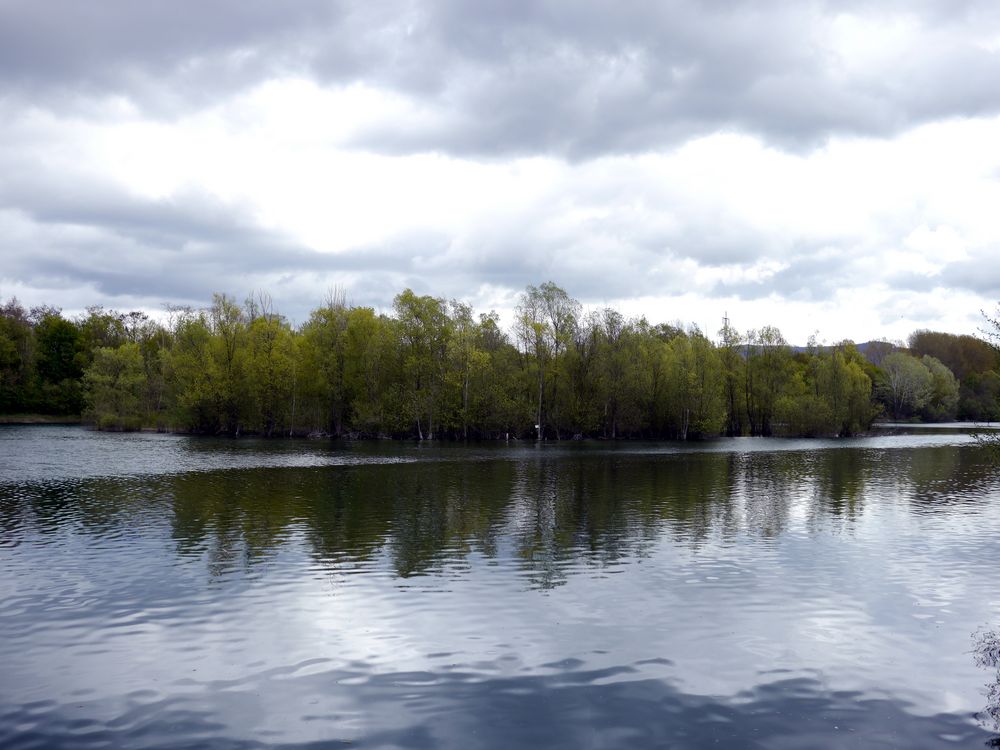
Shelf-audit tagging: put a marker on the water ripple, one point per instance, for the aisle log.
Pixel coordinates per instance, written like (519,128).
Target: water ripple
(160,591)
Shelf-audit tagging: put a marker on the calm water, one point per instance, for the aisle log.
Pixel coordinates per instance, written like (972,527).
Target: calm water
(162,591)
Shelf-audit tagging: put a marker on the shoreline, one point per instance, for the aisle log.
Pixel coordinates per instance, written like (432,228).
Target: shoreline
(35,419)
(877,429)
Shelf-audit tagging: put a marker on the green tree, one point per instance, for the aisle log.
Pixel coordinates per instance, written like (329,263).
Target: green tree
(229,328)
(16,358)
(425,330)
(908,384)
(467,359)
(987,438)
(270,357)
(962,355)
(613,335)
(942,399)
(733,377)
(114,385)
(545,322)
(57,343)
(980,397)
(533,333)
(500,397)
(767,372)
(192,372)
(372,373)
(695,386)
(98,328)
(325,366)
(829,393)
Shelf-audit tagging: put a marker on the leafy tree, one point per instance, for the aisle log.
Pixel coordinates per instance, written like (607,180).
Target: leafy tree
(500,395)
(991,439)
(467,359)
(800,409)
(767,372)
(57,343)
(270,355)
(545,321)
(879,349)
(432,369)
(962,355)
(98,328)
(979,398)
(734,378)
(534,335)
(829,392)
(612,336)
(324,360)
(563,313)
(372,372)
(942,399)
(908,384)
(695,386)
(425,330)
(195,380)
(114,385)
(16,357)
(228,353)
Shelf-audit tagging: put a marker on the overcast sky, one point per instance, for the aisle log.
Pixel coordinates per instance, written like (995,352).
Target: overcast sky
(830,166)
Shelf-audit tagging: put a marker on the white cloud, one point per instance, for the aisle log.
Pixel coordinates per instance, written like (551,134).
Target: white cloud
(276,182)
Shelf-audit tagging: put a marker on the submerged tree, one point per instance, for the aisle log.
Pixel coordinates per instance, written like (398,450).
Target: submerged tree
(986,655)
(767,372)
(430,368)
(732,365)
(425,330)
(545,321)
(990,439)
(270,370)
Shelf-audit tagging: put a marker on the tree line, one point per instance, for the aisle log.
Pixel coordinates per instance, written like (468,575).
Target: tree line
(432,368)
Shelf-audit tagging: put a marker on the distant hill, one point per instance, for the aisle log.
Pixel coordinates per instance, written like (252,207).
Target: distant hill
(873,351)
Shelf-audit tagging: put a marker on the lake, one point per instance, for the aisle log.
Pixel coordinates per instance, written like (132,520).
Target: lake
(168,591)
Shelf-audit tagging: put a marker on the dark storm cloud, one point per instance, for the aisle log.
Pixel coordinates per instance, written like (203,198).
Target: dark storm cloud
(578,79)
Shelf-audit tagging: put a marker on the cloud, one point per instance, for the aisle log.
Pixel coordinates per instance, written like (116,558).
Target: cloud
(686,157)
(494,79)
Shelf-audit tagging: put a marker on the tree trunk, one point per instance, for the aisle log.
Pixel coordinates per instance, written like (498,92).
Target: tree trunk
(465,408)
(538,416)
(555,402)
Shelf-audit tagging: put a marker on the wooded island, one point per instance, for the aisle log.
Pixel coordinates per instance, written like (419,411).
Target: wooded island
(433,369)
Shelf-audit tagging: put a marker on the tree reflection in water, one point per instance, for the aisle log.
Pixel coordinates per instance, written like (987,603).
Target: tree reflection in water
(986,653)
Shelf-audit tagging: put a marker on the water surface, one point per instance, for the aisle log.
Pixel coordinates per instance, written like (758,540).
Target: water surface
(167,591)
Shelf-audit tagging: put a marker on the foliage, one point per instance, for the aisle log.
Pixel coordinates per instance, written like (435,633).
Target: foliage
(963,355)
(114,385)
(433,369)
(908,384)
(990,439)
